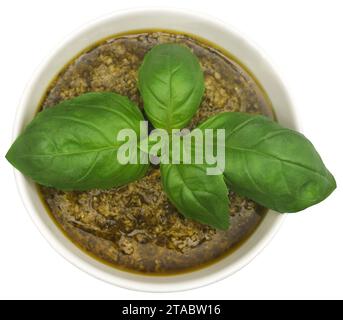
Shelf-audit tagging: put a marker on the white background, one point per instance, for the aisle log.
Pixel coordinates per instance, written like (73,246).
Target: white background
(304,39)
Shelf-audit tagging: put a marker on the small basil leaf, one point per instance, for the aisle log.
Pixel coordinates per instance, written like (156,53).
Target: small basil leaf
(272,165)
(197,195)
(171,83)
(73,145)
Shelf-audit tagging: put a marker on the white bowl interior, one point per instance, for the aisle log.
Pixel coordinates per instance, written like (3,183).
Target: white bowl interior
(191,23)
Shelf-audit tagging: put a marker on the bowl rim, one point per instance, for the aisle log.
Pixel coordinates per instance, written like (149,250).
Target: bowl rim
(124,279)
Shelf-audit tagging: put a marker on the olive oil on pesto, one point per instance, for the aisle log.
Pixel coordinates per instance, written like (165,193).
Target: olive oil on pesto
(135,227)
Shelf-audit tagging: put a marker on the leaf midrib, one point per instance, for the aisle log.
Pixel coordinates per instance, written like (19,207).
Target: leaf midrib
(277,158)
(70,153)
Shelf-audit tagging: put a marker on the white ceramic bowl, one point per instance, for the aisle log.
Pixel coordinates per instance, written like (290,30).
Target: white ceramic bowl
(192,23)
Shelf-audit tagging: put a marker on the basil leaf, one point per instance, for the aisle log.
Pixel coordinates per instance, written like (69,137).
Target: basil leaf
(197,195)
(274,166)
(171,83)
(73,146)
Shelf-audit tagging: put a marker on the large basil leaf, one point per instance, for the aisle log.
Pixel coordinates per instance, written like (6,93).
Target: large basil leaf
(197,195)
(171,83)
(275,166)
(73,146)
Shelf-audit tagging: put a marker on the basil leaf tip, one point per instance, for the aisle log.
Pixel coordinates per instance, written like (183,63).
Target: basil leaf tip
(196,195)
